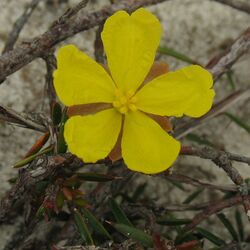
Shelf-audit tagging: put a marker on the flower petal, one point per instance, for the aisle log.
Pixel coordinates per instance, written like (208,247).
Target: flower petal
(92,137)
(146,147)
(130,43)
(80,80)
(185,91)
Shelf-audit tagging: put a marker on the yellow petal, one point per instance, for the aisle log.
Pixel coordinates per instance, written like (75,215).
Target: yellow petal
(146,147)
(185,91)
(92,137)
(130,43)
(80,80)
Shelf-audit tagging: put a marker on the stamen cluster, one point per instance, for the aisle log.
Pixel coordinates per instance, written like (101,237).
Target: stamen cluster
(125,102)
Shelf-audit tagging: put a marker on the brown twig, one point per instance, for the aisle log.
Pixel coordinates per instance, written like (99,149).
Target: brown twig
(50,61)
(18,25)
(212,154)
(223,62)
(71,12)
(11,116)
(198,183)
(183,207)
(237,4)
(25,53)
(213,209)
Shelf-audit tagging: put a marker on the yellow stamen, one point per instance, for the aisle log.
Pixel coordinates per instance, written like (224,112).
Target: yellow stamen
(132,107)
(123,109)
(117,104)
(130,93)
(125,102)
(133,100)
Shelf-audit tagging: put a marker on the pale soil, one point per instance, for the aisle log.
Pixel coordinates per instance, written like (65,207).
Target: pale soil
(197,28)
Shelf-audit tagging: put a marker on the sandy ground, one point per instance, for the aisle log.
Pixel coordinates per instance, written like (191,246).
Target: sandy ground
(197,28)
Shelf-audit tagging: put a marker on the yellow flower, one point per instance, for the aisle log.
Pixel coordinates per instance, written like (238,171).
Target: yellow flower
(130,43)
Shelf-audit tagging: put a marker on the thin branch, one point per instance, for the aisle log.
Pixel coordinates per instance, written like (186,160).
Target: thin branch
(213,209)
(178,207)
(11,116)
(26,52)
(50,61)
(212,154)
(19,24)
(71,12)
(131,207)
(198,183)
(223,62)
(236,4)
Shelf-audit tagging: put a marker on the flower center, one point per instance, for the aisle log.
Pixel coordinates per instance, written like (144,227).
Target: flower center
(125,102)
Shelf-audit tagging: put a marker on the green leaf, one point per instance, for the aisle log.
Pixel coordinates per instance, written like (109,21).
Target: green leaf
(40,211)
(29,159)
(56,113)
(228,225)
(41,187)
(97,226)
(60,199)
(211,237)
(134,233)
(95,177)
(238,121)
(62,146)
(177,184)
(191,197)
(72,182)
(172,217)
(165,220)
(139,190)
(118,213)
(198,139)
(230,79)
(183,236)
(239,223)
(176,54)
(229,194)
(82,228)
(80,202)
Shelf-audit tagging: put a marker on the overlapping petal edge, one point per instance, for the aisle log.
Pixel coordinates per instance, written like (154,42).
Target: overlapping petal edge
(130,43)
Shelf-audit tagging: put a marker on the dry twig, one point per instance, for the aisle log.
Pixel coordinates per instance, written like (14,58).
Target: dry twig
(223,62)
(212,154)
(213,209)
(22,120)
(50,61)
(198,183)
(18,25)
